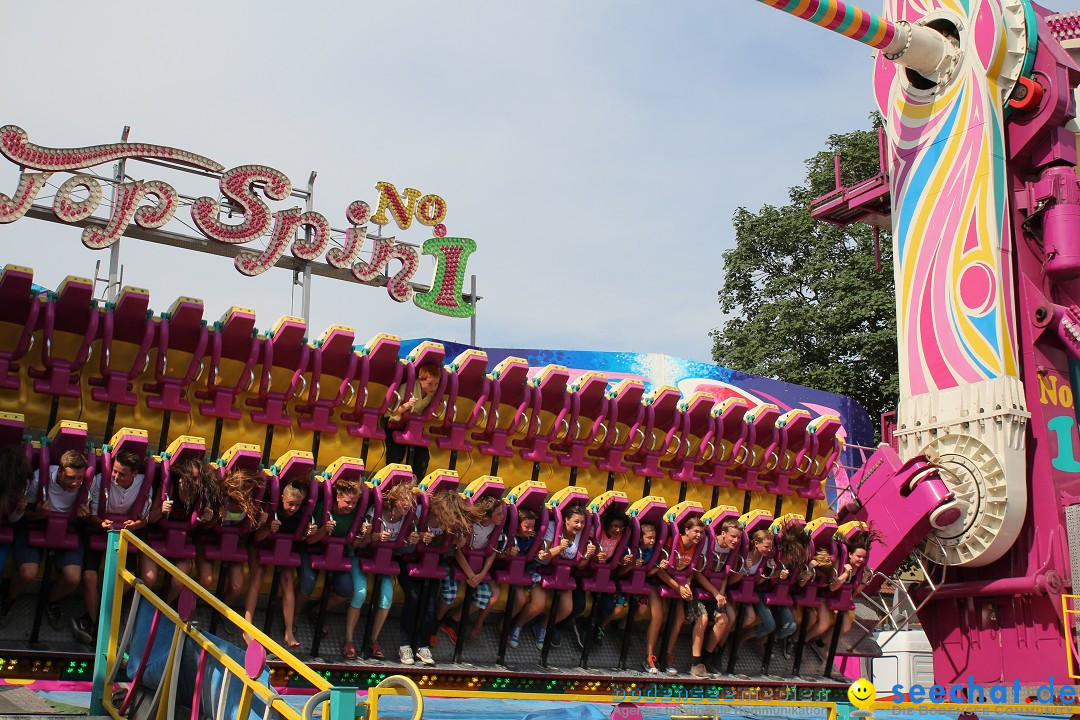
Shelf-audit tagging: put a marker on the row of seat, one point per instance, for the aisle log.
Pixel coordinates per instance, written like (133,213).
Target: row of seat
(174,537)
(179,363)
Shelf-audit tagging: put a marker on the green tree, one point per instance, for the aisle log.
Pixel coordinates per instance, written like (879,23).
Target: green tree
(804,302)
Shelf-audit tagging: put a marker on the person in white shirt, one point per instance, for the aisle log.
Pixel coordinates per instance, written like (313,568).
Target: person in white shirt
(62,491)
(487,592)
(122,491)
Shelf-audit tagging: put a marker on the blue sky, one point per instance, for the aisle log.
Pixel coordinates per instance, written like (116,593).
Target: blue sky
(594,150)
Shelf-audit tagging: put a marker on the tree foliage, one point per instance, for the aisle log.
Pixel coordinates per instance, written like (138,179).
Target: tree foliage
(804,302)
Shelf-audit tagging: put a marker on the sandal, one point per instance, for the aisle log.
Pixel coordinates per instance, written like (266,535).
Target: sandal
(349,650)
(376,651)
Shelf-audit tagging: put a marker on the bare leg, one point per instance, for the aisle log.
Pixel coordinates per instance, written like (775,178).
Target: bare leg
(288,604)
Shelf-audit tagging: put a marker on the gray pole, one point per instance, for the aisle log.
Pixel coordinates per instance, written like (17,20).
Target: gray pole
(307,265)
(112,291)
(472,319)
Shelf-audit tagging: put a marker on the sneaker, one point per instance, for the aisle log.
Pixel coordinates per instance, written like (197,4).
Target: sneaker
(699,670)
(712,663)
(539,632)
(83,630)
(556,637)
(650,665)
(424,655)
(55,615)
(671,669)
(449,631)
(406,655)
(515,636)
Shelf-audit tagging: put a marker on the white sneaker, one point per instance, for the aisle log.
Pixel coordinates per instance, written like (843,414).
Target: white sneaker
(406,655)
(424,655)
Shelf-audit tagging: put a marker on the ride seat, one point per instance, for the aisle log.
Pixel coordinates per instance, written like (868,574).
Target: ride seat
(227,543)
(333,359)
(72,312)
(601,576)
(378,376)
(20,308)
(529,495)
(285,353)
(466,381)
(423,354)
(138,442)
(649,510)
(234,341)
(181,332)
(332,552)
(127,331)
(55,529)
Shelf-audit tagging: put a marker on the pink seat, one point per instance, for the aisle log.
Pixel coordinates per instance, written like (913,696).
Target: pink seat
(716,566)
(294,467)
(286,352)
(55,530)
(137,442)
(791,451)
(333,364)
(379,556)
(233,340)
(601,576)
(510,401)
(625,415)
(548,399)
(72,311)
(20,308)
(728,442)
(745,590)
(654,436)
(529,495)
(466,381)
(426,561)
(227,543)
(127,331)
(649,510)
(822,537)
(173,536)
(423,354)
(587,418)
(331,553)
(558,574)
(485,486)
(181,331)
(843,598)
(762,440)
(777,591)
(378,376)
(674,517)
(696,431)
(822,454)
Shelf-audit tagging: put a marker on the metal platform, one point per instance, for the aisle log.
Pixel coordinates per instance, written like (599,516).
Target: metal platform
(478,656)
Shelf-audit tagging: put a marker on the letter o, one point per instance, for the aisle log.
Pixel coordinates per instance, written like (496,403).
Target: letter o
(1065,395)
(431,210)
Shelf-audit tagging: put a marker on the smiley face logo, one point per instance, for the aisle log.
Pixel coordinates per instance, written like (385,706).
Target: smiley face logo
(862,694)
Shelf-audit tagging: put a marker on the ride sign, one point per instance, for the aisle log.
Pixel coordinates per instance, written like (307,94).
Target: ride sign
(80,196)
